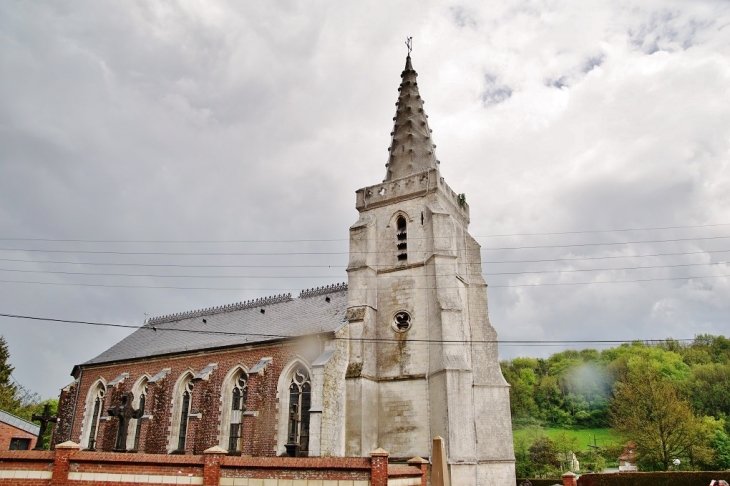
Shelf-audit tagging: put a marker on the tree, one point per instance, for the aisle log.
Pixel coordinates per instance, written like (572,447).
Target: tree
(544,456)
(721,444)
(9,400)
(647,408)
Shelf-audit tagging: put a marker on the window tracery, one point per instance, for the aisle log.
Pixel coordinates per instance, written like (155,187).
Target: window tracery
(239,395)
(98,404)
(300,401)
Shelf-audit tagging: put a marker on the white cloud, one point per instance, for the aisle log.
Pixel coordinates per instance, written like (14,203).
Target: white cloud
(222,121)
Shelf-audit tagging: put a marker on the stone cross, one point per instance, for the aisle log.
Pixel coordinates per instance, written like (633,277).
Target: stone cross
(124,412)
(45,418)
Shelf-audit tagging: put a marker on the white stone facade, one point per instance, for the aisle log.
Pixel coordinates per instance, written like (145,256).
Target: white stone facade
(441,376)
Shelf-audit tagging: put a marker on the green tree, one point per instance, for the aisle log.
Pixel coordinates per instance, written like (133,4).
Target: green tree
(647,407)
(544,456)
(9,400)
(721,445)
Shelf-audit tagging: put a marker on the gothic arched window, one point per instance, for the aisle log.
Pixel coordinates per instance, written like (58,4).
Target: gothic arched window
(300,401)
(135,425)
(401,238)
(238,406)
(94,406)
(187,396)
(181,402)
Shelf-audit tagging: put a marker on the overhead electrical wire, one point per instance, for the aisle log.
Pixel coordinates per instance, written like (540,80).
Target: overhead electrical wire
(73,284)
(60,240)
(151,275)
(484,262)
(160,328)
(289,253)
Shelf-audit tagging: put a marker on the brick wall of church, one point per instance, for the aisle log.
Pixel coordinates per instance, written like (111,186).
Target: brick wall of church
(8,433)
(260,429)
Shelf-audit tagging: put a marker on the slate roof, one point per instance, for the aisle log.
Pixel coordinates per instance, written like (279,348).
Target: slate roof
(19,423)
(273,318)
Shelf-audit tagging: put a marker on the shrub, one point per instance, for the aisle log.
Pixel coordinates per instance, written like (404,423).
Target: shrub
(675,478)
(542,482)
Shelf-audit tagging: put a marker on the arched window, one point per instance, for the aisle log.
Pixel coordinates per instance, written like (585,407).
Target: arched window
(238,406)
(139,390)
(94,409)
(300,401)
(181,402)
(184,416)
(401,238)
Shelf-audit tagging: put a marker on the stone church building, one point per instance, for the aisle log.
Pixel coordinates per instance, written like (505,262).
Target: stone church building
(400,354)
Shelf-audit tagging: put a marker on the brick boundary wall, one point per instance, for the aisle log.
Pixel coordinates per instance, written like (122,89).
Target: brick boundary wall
(68,466)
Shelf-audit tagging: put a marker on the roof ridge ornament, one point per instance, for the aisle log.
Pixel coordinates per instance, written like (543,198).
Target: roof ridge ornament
(409,45)
(327,289)
(249,304)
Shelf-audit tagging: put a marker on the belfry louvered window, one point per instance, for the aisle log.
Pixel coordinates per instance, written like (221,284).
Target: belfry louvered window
(300,401)
(238,406)
(401,239)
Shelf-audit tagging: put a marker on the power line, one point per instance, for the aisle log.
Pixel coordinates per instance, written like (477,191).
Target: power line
(61,240)
(169,287)
(160,328)
(152,275)
(573,245)
(176,265)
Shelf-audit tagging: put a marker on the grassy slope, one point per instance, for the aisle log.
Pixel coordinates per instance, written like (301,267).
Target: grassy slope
(583,436)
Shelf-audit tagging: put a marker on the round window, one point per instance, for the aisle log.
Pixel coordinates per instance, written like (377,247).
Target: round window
(401,321)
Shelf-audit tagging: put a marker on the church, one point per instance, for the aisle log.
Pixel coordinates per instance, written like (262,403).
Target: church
(401,353)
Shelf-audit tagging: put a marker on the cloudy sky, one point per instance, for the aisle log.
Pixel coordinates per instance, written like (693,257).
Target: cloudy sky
(157,157)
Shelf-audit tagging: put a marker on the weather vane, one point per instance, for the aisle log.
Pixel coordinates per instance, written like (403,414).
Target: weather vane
(409,44)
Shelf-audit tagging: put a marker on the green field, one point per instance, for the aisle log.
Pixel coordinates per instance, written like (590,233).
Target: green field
(583,437)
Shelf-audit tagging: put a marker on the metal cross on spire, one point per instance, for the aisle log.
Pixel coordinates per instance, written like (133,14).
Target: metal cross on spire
(409,44)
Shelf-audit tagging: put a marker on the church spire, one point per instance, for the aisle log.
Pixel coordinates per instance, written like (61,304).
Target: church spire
(411,149)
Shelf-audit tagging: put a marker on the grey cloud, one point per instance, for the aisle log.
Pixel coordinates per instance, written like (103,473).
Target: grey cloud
(221,122)
(494,92)
(462,17)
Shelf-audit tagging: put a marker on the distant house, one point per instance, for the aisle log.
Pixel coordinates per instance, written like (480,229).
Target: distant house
(16,433)
(627,460)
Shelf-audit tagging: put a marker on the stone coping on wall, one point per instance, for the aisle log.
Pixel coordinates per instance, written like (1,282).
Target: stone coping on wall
(137,458)
(395,471)
(362,463)
(69,466)
(27,456)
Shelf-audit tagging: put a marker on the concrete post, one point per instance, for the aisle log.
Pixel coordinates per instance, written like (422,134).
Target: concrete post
(212,459)
(570,479)
(421,464)
(61,462)
(379,467)
(439,468)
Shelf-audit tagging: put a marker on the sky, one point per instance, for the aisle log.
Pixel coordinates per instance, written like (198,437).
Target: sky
(159,157)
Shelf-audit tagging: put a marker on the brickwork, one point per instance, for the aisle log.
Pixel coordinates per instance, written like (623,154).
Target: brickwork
(8,433)
(62,427)
(379,473)
(259,434)
(67,466)
(570,479)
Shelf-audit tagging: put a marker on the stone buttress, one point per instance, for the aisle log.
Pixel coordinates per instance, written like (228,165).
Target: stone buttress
(423,356)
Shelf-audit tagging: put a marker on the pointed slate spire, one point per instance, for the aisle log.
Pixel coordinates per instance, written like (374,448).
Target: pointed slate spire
(411,149)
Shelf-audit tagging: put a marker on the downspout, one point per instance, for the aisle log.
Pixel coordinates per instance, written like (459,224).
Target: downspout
(76,402)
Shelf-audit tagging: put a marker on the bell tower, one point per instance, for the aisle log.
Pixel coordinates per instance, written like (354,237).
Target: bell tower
(423,356)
